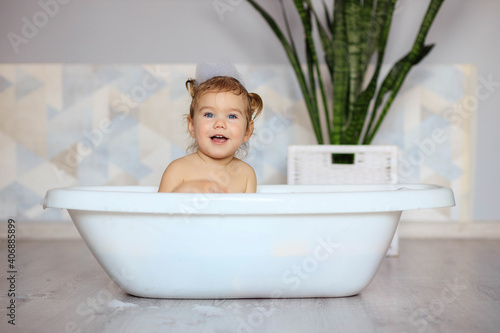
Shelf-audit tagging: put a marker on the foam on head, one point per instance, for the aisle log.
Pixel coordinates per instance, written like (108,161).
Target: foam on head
(206,71)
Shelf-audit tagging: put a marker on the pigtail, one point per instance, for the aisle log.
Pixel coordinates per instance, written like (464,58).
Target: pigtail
(256,105)
(190,87)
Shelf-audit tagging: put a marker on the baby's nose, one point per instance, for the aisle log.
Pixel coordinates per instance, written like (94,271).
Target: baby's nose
(219,123)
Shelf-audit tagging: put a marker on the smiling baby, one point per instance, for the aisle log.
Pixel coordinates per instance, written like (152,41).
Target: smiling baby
(221,120)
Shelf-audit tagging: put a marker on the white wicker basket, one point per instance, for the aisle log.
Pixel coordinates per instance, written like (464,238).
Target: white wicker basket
(310,165)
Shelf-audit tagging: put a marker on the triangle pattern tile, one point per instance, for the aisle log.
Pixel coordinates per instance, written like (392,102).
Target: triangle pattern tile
(124,152)
(261,76)
(419,77)
(93,167)
(150,143)
(66,162)
(275,151)
(138,83)
(276,104)
(113,170)
(435,102)
(447,82)
(106,74)
(120,105)
(157,161)
(4,83)
(68,127)
(23,197)
(270,175)
(80,81)
(178,78)
(121,125)
(33,213)
(52,112)
(155,77)
(8,164)
(159,71)
(26,159)
(9,201)
(122,178)
(290,90)
(176,152)
(25,84)
(50,215)
(160,113)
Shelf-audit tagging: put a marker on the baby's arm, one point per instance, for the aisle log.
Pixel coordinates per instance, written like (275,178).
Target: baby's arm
(251,181)
(172,177)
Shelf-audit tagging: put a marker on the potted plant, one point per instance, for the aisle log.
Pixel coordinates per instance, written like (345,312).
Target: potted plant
(351,97)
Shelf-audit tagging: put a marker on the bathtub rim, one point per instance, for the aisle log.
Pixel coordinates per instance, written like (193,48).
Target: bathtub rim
(269,199)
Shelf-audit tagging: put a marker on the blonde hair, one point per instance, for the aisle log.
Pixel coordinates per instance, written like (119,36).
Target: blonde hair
(218,84)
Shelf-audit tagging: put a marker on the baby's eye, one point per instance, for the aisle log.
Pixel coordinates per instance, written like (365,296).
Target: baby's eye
(232,116)
(209,115)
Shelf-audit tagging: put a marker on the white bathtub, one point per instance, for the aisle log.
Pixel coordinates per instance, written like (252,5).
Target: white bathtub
(284,241)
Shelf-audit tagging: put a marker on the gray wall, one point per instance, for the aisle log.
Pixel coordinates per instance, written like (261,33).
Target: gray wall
(174,31)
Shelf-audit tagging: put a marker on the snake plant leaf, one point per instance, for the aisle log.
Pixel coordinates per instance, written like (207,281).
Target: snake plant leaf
(329,19)
(295,62)
(340,73)
(367,20)
(383,16)
(327,45)
(305,16)
(392,83)
(398,73)
(287,25)
(311,50)
(353,33)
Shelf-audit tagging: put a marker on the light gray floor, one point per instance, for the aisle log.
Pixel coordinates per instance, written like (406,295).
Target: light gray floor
(433,286)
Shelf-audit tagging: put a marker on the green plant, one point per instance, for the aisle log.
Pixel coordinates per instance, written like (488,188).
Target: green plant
(354,34)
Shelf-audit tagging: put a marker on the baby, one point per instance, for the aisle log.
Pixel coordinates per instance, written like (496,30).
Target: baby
(221,119)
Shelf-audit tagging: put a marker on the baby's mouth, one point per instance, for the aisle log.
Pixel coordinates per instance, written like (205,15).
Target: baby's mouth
(219,138)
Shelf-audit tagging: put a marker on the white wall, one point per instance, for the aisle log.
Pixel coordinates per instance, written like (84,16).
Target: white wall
(175,31)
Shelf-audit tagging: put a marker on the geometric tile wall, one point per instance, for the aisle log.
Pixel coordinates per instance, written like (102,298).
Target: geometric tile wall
(433,123)
(86,124)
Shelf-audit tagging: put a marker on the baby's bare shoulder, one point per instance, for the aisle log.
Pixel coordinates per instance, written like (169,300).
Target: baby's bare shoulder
(243,166)
(182,162)
(176,173)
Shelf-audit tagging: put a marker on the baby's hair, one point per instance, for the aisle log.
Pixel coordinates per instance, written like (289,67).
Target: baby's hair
(221,84)
(225,84)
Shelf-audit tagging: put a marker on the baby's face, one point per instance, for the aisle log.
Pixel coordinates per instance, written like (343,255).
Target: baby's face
(219,124)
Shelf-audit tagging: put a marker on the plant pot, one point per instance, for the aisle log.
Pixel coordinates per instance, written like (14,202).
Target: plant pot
(344,164)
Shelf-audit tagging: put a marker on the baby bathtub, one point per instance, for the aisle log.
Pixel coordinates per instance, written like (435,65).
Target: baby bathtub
(283,241)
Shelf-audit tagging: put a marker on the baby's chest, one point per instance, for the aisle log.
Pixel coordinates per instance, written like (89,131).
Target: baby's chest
(233,181)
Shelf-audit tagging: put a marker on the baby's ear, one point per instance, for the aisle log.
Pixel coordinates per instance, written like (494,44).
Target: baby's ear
(190,125)
(249,132)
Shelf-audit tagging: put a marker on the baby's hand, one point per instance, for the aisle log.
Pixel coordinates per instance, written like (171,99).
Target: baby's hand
(200,186)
